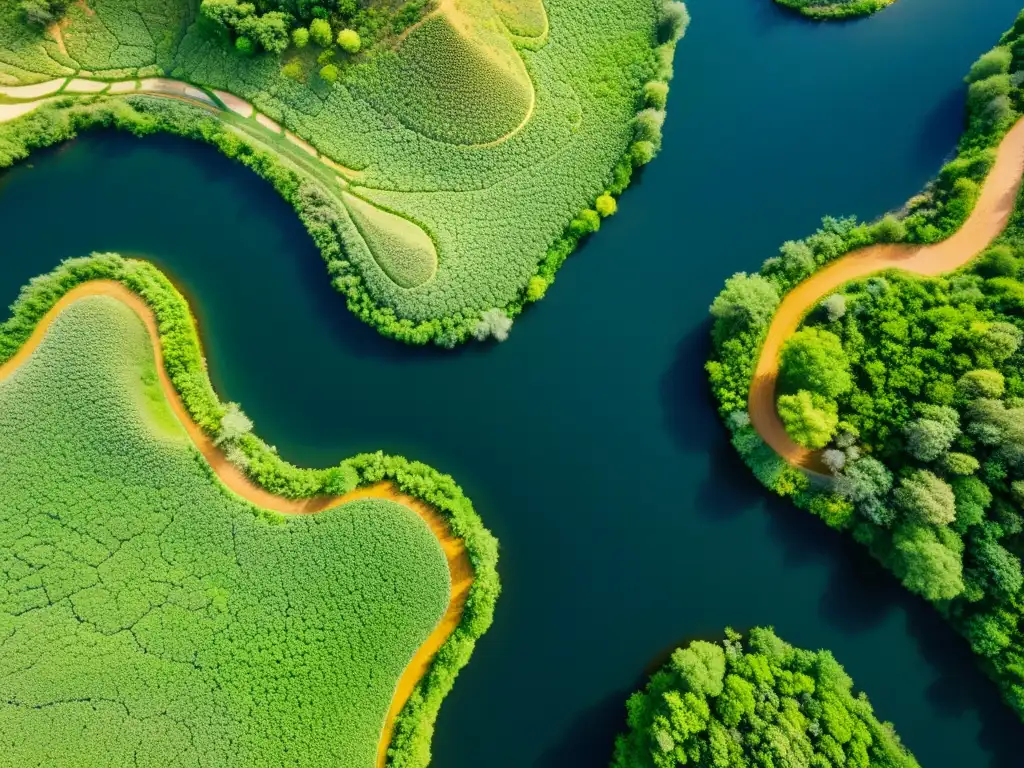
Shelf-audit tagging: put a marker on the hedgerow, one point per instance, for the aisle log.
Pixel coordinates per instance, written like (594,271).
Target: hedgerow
(110,434)
(836,9)
(767,704)
(913,387)
(499,214)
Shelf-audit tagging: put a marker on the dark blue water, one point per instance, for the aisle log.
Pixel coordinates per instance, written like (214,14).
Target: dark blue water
(588,441)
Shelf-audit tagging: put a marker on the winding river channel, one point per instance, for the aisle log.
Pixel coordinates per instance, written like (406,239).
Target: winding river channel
(588,440)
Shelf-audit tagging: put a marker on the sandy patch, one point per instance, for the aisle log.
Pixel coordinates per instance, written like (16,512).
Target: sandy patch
(235,104)
(459,566)
(85,86)
(32,91)
(350,173)
(989,218)
(126,86)
(12,111)
(266,122)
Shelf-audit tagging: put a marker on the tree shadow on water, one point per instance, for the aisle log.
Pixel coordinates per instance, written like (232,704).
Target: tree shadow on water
(588,740)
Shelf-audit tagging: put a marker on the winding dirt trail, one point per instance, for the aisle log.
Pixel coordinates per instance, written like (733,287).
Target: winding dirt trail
(989,218)
(459,565)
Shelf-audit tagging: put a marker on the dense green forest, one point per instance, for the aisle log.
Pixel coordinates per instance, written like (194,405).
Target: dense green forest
(466,144)
(754,702)
(124,552)
(835,9)
(912,389)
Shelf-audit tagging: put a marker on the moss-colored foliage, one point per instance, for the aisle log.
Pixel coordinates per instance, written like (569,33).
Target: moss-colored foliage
(835,9)
(435,122)
(767,704)
(403,250)
(928,453)
(121,546)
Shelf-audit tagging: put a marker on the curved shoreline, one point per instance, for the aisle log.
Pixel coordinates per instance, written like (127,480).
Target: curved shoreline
(460,568)
(986,222)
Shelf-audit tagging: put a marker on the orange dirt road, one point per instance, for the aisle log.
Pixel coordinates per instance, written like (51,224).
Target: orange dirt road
(459,566)
(989,218)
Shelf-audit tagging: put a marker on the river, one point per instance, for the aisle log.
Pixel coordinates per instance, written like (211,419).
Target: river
(588,441)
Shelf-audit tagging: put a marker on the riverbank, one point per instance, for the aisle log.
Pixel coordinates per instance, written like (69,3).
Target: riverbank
(989,218)
(457,555)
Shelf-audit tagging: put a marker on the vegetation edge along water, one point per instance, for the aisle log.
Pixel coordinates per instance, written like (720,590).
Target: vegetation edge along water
(723,705)
(744,310)
(324,216)
(183,362)
(835,9)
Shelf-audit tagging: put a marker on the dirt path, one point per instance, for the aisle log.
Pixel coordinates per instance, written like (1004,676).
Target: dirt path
(459,566)
(988,219)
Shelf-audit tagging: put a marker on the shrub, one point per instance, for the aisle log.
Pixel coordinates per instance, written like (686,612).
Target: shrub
(329,73)
(605,205)
(656,94)
(348,41)
(300,37)
(320,32)
(536,288)
(244,46)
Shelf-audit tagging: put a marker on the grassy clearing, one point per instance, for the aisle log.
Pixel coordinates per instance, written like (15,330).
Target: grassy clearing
(490,126)
(147,613)
(403,250)
(182,477)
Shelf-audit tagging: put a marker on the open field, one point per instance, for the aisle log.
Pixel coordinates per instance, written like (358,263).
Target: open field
(486,128)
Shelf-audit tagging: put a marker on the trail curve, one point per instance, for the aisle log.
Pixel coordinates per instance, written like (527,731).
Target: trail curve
(989,218)
(459,566)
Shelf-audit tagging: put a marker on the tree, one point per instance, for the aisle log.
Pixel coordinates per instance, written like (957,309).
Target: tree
(930,436)
(348,41)
(890,230)
(972,498)
(999,567)
(960,464)
(809,418)
(493,323)
(320,32)
(270,30)
(656,94)
(982,383)
(642,152)
(924,497)
(244,46)
(536,288)
(814,359)
(329,73)
(834,459)
(995,62)
(835,307)
(746,302)
(796,259)
(864,479)
(42,13)
(647,125)
(701,667)
(926,566)
(586,222)
(673,22)
(300,37)
(605,205)
(998,261)
(996,341)
(234,425)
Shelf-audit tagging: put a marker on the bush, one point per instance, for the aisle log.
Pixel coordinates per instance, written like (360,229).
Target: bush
(329,73)
(348,41)
(656,94)
(300,37)
(605,205)
(245,46)
(320,32)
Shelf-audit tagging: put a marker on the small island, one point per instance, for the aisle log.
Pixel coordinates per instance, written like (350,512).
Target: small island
(754,701)
(835,9)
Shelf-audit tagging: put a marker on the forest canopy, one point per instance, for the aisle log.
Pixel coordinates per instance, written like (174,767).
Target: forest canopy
(754,702)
